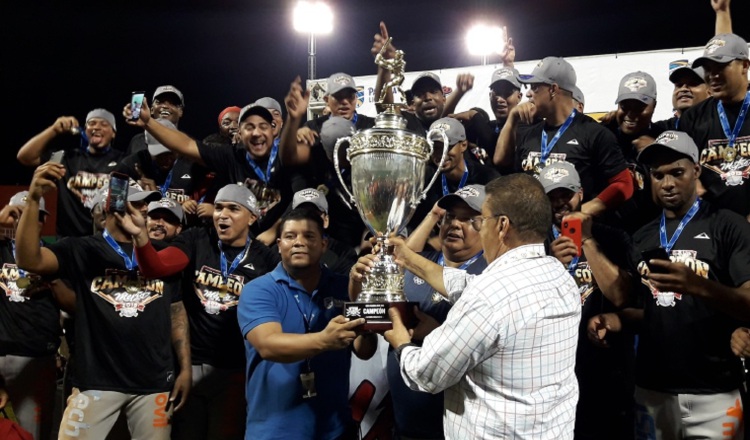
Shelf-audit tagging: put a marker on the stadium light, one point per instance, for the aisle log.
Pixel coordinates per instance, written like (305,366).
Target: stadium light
(312,18)
(484,40)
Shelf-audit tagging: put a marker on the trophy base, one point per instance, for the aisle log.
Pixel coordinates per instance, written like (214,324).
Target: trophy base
(376,314)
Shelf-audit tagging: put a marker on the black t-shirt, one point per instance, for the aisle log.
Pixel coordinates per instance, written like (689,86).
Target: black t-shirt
(85,174)
(726,171)
(586,144)
(29,326)
(684,344)
(231,166)
(215,338)
(640,209)
(416,125)
(478,175)
(123,326)
(594,363)
(672,123)
(185,174)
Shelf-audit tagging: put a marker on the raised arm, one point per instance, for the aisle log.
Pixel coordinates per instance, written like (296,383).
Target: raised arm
(464,83)
(174,140)
(31,152)
(505,149)
(30,255)
(295,145)
(723,16)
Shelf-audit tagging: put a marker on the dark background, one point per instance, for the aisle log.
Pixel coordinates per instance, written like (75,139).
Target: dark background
(66,58)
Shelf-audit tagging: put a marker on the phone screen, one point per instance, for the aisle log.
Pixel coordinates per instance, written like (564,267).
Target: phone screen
(118,193)
(136,102)
(658,253)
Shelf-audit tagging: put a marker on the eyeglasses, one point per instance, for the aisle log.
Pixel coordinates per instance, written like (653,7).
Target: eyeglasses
(476,221)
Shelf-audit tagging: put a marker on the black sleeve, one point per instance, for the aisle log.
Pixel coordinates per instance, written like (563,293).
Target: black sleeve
(65,250)
(734,231)
(187,240)
(217,158)
(609,159)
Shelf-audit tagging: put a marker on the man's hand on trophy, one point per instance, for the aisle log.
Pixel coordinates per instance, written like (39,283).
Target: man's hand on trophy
(362,267)
(401,252)
(399,334)
(379,40)
(340,332)
(296,100)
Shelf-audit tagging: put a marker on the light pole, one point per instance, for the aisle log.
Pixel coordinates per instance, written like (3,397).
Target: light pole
(312,18)
(484,40)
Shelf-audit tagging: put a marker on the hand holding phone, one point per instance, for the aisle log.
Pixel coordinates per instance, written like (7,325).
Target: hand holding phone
(571,227)
(136,102)
(657,253)
(117,196)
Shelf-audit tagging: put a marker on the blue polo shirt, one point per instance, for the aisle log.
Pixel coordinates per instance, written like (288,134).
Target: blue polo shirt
(275,407)
(417,414)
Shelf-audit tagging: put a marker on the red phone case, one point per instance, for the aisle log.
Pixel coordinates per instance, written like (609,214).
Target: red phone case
(571,227)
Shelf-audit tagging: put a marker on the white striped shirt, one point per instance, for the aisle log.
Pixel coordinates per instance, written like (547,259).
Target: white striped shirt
(505,355)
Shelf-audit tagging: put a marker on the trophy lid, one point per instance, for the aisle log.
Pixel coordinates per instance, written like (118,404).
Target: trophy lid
(390,119)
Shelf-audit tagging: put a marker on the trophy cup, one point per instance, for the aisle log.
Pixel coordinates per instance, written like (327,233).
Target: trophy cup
(387,177)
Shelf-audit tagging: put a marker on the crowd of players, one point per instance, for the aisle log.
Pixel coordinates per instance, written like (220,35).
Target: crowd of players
(205,311)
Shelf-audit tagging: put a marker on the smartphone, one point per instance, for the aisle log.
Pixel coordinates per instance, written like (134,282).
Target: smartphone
(571,227)
(136,102)
(657,253)
(57,156)
(117,195)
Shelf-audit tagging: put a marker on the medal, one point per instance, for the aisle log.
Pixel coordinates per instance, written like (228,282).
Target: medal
(23,282)
(729,154)
(223,288)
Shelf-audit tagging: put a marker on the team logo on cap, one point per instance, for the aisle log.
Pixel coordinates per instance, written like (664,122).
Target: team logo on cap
(540,63)
(467,192)
(309,194)
(442,126)
(667,137)
(166,203)
(504,73)
(635,83)
(341,80)
(556,174)
(714,45)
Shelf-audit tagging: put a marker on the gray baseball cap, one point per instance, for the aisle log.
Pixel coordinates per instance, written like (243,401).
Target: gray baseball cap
(170,206)
(427,78)
(155,147)
(678,141)
(578,95)
(102,114)
(506,74)
(560,175)
(679,67)
(723,48)
(453,129)
(137,194)
(255,109)
(334,128)
(239,194)
(472,195)
(161,90)
(338,82)
(19,199)
(552,70)
(310,195)
(269,103)
(637,85)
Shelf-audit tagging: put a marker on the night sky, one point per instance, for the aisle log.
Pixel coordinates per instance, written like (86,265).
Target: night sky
(65,58)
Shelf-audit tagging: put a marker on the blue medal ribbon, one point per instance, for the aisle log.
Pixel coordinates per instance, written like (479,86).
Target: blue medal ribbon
(308,321)
(574,262)
(732,133)
(461,184)
(355,116)
(265,177)
(130,262)
(548,146)
(165,186)
(467,263)
(237,260)
(685,220)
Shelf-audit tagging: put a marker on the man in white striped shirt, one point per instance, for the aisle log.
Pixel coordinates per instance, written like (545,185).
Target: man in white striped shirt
(505,356)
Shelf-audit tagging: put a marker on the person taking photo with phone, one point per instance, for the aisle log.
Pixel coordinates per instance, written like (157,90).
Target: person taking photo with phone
(687,378)
(597,257)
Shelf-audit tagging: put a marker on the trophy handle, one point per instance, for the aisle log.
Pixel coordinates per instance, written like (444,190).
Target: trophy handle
(442,160)
(336,166)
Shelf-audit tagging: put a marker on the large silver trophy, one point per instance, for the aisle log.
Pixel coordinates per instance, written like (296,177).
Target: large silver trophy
(387,165)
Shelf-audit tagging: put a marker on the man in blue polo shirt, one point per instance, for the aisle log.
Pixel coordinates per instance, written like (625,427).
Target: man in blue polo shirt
(297,368)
